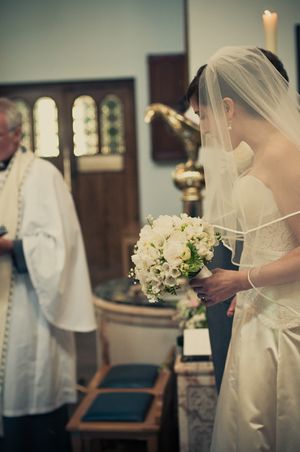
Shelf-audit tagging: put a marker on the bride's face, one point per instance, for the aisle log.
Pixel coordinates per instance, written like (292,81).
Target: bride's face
(208,124)
(205,120)
(204,116)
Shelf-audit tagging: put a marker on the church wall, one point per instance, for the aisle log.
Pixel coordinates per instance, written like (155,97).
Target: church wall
(97,39)
(217,23)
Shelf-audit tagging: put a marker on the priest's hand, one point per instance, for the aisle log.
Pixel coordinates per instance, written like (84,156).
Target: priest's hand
(223,284)
(6,246)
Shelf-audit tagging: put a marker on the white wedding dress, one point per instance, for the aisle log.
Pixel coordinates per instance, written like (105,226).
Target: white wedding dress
(259,403)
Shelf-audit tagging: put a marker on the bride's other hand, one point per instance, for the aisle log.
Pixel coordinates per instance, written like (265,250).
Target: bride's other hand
(223,284)
(231,309)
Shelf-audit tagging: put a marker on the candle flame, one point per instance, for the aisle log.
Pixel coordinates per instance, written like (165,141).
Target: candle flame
(267,12)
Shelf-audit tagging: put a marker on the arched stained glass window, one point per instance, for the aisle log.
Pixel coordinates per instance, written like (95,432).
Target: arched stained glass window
(85,134)
(112,125)
(24,109)
(45,120)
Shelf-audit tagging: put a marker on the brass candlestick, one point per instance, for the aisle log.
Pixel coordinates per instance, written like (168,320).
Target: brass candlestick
(189,176)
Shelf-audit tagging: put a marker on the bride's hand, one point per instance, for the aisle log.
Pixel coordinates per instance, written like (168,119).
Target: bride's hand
(223,284)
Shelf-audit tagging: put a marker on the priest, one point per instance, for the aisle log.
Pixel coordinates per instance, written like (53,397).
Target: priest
(45,296)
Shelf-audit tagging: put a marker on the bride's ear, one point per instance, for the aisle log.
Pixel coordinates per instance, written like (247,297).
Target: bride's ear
(229,107)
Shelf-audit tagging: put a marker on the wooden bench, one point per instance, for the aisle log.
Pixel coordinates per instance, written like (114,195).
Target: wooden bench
(84,433)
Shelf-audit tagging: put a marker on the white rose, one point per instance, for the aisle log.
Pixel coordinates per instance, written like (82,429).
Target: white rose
(192,231)
(175,272)
(152,252)
(163,222)
(209,255)
(172,251)
(146,262)
(170,281)
(158,238)
(212,241)
(155,290)
(203,236)
(209,229)
(152,275)
(136,259)
(146,233)
(141,276)
(178,236)
(156,285)
(177,221)
(185,217)
(186,255)
(202,249)
(165,267)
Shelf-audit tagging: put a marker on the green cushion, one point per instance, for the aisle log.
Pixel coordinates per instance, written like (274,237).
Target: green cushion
(119,407)
(130,376)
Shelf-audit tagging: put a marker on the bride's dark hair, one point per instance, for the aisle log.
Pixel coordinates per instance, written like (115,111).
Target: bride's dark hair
(196,86)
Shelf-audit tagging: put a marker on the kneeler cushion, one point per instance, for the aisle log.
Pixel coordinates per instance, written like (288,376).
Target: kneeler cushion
(119,407)
(130,376)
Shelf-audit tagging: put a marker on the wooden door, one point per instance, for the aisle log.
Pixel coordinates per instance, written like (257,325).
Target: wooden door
(104,187)
(106,195)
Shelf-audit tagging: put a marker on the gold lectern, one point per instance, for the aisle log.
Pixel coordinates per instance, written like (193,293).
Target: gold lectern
(188,176)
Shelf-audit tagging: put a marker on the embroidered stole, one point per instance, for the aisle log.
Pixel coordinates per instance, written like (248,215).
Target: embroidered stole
(9,217)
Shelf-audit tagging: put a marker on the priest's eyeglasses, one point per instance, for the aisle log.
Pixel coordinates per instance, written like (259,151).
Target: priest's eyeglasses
(7,132)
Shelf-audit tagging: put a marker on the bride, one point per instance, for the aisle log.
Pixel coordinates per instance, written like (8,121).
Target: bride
(244,103)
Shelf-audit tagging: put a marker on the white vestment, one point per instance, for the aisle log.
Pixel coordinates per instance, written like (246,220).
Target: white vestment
(49,302)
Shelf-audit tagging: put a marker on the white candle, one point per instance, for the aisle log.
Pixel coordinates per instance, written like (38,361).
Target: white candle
(270,26)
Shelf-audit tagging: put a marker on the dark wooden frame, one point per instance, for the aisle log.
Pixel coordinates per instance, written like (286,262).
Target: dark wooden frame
(298,54)
(168,81)
(86,434)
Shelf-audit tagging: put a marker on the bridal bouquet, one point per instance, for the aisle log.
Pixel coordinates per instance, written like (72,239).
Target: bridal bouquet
(170,250)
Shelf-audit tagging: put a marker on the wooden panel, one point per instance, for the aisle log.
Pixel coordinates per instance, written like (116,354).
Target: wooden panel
(298,53)
(168,83)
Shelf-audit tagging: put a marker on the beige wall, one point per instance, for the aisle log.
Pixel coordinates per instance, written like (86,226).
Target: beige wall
(215,23)
(94,39)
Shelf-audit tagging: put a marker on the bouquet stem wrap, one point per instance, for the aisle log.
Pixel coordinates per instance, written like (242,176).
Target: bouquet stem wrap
(204,273)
